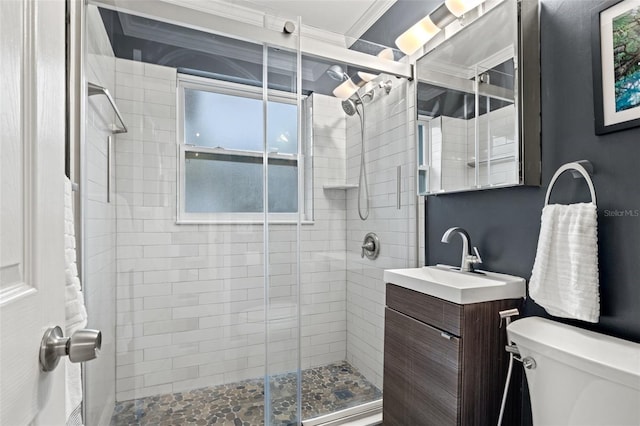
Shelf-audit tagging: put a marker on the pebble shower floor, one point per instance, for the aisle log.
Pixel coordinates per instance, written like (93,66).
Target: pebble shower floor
(325,389)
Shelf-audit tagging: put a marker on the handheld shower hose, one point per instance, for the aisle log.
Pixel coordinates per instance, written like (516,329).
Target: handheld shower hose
(362,179)
(336,72)
(350,107)
(506,315)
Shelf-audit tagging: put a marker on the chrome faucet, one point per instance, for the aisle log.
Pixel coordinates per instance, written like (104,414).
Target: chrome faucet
(468,259)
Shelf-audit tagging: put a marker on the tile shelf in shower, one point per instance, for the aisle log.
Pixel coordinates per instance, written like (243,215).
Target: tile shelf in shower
(340,186)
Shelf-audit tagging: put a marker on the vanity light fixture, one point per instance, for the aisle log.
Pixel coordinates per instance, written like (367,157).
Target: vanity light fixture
(345,89)
(424,30)
(386,54)
(460,7)
(350,85)
(366,76)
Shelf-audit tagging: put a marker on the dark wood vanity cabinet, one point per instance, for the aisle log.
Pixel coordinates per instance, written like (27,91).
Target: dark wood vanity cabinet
(444,364)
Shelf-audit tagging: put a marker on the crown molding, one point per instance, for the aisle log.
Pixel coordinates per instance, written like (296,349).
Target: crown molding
(369,18)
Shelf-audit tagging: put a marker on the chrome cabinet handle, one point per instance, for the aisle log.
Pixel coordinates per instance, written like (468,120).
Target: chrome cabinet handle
(83,345)
(445,335)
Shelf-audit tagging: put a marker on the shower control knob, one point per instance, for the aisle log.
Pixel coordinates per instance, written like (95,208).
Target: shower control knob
(83,345)
(529,363)
(370,246)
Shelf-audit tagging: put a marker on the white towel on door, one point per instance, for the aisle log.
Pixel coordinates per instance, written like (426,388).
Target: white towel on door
(564,280)
(76,313)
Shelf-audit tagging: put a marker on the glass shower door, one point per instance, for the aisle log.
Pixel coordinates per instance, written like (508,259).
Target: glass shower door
(284,210)
(200,236)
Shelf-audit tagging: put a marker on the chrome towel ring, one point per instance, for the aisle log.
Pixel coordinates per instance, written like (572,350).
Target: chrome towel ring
(582,167)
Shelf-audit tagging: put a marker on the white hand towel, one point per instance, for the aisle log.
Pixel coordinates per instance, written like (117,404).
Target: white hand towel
(76,313)
(564,280)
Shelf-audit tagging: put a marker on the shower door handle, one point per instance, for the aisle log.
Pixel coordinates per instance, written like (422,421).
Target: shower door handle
(399,187)
(109,166)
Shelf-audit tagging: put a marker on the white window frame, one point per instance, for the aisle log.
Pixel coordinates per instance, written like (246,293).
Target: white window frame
(232,89)
(423,164)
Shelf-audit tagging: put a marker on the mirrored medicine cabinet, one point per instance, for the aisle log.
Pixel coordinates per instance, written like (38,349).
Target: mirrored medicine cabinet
(478,102)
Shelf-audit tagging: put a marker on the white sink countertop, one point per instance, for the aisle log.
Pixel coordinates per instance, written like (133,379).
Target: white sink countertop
(446,283)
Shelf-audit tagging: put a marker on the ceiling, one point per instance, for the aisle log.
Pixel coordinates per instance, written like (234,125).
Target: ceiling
(346,17)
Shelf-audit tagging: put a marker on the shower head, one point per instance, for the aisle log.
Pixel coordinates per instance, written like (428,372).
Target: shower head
(350,106)
(337,73)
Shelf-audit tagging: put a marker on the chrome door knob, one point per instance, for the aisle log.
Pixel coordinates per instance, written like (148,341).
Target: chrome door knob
(83,345)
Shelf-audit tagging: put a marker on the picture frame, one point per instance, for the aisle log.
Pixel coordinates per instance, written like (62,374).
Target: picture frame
(615,48)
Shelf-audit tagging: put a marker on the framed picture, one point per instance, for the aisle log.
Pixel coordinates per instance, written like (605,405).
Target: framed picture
(616,65)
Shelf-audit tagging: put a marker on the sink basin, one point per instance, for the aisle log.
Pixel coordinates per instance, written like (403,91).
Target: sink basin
(458,287)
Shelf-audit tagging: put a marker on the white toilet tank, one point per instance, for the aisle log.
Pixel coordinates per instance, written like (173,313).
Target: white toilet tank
(580,378)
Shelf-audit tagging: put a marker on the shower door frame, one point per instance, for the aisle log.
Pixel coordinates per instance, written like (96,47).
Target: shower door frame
(256,32)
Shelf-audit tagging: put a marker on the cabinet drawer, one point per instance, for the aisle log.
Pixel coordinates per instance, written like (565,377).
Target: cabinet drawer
(421,374)
(439,313)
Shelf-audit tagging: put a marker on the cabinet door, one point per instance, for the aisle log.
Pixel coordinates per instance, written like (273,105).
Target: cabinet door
(421,373)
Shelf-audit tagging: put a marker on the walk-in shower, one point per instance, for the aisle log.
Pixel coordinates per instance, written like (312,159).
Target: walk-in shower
(219,254)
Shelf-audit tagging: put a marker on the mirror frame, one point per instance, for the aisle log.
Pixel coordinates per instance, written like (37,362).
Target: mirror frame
(527,59)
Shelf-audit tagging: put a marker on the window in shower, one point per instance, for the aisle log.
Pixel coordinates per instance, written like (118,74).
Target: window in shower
(222,150)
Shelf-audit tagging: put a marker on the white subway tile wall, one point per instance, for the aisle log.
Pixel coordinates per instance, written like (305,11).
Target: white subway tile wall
(389,142)
(190,297)
(450,161)
(455,152)
(322,246)
(435,147)
(499,127)
(99,224)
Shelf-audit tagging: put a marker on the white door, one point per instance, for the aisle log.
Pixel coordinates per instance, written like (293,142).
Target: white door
(32,106)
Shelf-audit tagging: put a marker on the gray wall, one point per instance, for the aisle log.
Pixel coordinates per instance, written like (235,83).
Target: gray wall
(505,223)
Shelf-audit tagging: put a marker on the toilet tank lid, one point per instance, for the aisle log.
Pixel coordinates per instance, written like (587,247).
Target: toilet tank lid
(606,356)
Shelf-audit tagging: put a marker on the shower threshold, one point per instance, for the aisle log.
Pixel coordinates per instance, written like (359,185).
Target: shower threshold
(334,388)
(367,414)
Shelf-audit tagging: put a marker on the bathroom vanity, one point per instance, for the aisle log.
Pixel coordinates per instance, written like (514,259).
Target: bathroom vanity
(445,362)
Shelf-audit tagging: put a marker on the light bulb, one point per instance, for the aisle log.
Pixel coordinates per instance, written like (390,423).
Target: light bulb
(460,7)
(366,76)
(386,53)
(416,36)
(345,89)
